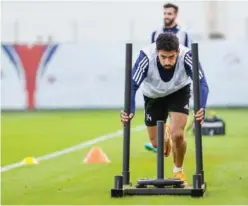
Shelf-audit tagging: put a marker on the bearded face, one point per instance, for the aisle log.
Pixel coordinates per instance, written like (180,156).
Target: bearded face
(170,16)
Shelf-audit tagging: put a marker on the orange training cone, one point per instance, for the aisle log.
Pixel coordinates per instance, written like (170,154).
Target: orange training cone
(96,155)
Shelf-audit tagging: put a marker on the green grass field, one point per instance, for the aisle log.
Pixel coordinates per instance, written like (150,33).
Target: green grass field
(66,180)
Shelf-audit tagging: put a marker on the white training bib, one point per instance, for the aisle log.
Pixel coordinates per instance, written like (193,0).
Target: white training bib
(153,86)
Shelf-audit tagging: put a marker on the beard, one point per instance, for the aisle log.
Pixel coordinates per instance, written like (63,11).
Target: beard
(169,22)
(168,66)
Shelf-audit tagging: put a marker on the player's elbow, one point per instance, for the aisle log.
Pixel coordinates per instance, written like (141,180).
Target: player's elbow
(204,84)
(135,85)
(204,88)
(207,88)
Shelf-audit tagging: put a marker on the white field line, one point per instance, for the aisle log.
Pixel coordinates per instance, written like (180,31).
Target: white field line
(72,148)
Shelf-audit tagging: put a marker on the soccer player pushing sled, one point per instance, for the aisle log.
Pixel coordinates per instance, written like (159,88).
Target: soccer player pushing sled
(163,71)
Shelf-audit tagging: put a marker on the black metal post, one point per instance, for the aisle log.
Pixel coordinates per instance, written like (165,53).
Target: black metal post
(127,107)
(160,151)
(199,176)
(118,182)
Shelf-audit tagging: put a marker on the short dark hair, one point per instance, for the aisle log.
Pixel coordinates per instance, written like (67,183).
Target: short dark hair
(170,5)
(167,41)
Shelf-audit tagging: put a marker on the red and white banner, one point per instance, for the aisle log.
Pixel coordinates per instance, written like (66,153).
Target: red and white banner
(92,75)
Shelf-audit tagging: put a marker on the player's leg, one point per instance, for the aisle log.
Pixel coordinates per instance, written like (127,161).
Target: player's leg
(177,126)
(178,112)
(155,109)
(152,145)
(179,144)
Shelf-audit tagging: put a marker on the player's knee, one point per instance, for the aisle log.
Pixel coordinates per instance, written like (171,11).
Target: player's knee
(177,136)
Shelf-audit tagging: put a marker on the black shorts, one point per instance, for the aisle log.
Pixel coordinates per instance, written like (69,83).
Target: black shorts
(158,109)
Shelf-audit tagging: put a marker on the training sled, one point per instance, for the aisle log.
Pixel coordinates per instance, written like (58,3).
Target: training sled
(160,185)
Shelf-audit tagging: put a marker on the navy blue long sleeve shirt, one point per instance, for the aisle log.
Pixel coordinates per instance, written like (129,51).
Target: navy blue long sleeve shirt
(140,69)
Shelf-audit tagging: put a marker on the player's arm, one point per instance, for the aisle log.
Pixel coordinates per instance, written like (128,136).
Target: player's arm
(153,37)
(139,72)
(188,40)
(204,90)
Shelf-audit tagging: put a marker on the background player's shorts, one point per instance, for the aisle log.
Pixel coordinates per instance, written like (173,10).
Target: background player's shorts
(158,109)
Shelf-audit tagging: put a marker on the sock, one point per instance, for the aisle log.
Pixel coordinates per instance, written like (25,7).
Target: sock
(177,169)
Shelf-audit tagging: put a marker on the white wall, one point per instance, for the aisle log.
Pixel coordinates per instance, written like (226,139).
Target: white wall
(120,21)
(83,76)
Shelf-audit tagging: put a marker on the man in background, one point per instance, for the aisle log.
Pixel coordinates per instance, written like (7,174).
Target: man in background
(170,25)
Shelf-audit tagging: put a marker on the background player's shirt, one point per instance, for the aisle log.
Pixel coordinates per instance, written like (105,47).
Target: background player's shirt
(181,33)
(141,74)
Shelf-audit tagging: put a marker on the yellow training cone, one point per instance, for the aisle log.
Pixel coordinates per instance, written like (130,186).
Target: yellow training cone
(30,161)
